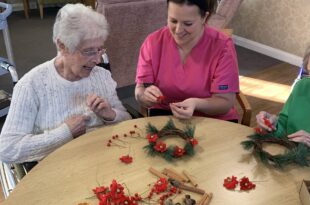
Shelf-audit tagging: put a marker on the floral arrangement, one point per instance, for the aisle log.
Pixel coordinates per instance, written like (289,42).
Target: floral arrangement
(115,194)
(296,152)
(158,147)
(244,183)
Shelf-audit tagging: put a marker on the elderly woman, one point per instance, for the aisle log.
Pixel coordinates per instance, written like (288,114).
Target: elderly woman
(188,68)
(60,99)
(294,118)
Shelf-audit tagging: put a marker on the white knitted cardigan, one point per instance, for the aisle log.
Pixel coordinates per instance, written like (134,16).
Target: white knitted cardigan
(41,101)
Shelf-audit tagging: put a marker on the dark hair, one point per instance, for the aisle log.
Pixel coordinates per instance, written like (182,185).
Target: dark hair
(203,5)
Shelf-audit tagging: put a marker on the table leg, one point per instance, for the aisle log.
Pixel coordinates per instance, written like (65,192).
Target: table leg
(26,8)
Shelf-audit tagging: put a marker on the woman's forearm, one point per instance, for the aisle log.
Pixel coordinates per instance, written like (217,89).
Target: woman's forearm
(139,95)
(218,104)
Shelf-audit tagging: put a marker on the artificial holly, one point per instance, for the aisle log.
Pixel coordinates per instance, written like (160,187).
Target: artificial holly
(246,184)
(230,182)
(152,138)
(161,185)
(114,195)
(157,146)
(194,142)
(178,151)
(160,147)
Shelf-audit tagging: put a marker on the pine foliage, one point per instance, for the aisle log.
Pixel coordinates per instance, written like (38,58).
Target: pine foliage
(297,153)
(170,129)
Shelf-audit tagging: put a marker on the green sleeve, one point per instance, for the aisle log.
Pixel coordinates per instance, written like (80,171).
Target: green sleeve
(283,117)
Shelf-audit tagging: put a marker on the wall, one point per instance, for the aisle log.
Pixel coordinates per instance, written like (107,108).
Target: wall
(280,24)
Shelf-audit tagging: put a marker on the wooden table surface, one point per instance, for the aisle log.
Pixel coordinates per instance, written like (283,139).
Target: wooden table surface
(68,175)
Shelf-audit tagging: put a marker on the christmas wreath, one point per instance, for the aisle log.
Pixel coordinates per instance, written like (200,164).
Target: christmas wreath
(296,152)
(158,147)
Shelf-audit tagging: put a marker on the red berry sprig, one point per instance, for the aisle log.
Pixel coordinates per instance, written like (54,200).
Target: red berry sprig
(126,159)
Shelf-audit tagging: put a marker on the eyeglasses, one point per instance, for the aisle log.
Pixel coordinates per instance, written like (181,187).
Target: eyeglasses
(93,52)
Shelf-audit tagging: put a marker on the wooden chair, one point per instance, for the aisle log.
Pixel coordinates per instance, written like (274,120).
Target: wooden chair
(41,4)
(10,176)
(246,109)
(241,98)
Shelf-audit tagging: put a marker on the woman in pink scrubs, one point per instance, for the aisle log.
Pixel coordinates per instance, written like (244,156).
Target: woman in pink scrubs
(187,68)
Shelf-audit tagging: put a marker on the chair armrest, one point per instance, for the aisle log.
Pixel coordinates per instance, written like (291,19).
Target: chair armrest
(133,112)
(246,108)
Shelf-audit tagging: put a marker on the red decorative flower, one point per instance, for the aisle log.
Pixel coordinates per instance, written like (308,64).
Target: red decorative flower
(152,138)
(161,185)
(100,192)
(116,190)
(114,195)
(178,151)
(126,159)
(161,99)
(246,184)
(260,130)
(160,147)
(267,122)
(230,182)
(193,141)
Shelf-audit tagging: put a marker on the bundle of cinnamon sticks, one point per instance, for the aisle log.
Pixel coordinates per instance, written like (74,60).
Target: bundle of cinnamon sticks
(180,180)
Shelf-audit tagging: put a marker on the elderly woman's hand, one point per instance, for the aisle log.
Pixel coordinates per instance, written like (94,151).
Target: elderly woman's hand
(100,107)
(184,109)
(77,124)
(300,136)
(266,121)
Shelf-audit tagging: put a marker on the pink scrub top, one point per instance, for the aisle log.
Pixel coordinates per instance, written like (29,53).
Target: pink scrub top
(211,67)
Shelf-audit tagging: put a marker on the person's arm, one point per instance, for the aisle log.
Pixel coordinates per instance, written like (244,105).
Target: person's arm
(115,104)
(300,136)
(18,143)
(218,104)
(278,124)
(147,97)
(146,93)
(266,121)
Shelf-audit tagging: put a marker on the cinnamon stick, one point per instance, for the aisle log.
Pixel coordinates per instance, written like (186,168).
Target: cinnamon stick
(157,173)
(174,175)
(190,179)
(208,199)
(179,184)
(203,198)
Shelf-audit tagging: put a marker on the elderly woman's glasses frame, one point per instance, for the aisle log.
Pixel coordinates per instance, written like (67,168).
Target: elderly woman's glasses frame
(93,52)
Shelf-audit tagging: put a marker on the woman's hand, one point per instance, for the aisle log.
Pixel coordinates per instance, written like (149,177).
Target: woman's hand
(300,136)
(266,121)
(100,107)
(147,96)
(77,124)
(184,109)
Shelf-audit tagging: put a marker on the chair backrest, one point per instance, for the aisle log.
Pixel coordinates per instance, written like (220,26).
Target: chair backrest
(225,12)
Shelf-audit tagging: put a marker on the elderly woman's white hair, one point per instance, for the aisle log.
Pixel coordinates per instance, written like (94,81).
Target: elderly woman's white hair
(75,23)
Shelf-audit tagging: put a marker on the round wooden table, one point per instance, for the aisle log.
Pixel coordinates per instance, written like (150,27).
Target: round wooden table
(68,175)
